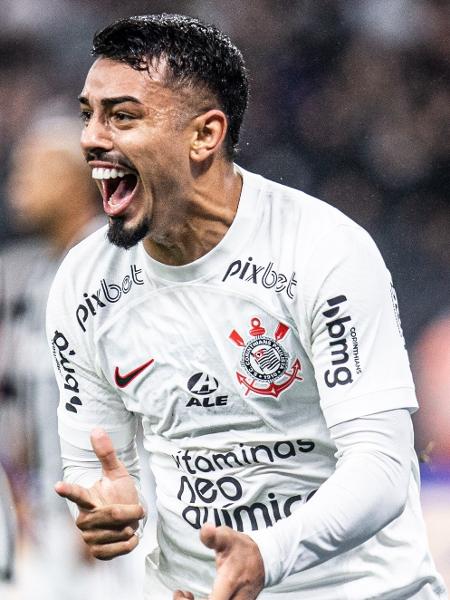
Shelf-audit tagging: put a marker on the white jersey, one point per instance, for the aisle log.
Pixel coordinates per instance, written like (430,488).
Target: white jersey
(238,364)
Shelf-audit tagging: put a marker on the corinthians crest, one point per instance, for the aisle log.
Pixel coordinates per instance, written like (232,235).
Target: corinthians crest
(265,360)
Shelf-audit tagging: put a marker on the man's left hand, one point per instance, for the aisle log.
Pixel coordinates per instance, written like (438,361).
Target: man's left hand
(240,568)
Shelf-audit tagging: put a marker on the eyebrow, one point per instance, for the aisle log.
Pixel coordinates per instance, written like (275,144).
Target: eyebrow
(108,102)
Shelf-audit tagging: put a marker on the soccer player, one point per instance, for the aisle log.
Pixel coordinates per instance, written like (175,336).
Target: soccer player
(255,332)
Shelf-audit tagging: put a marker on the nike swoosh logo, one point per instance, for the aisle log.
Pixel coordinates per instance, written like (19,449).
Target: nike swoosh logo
(123,380)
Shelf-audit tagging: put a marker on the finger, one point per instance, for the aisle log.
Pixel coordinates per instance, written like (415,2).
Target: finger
(115,516)
(109,551)
(225,587)
(179,595)
(103,447)
(94,537)
(75,493)
(216,538)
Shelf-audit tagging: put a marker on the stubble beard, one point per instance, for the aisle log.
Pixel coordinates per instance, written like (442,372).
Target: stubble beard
(127,238)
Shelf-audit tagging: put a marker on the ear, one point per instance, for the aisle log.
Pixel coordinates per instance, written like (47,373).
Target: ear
(210,129)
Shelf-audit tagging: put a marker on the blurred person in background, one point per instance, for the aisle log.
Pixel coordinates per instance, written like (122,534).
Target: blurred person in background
(431,367)
(54,201)
(8,535)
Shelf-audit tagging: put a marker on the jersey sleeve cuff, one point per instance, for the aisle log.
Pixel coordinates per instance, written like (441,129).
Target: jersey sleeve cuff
(271,556)
(369,404)
(81,437)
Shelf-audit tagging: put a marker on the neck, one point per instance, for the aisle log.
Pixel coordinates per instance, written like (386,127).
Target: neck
(210,210)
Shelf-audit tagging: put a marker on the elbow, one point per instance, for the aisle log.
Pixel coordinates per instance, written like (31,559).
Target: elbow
(396,510)
(401,500)
(397,478)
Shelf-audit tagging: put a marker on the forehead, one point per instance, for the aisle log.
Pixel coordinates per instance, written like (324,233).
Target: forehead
(110,78)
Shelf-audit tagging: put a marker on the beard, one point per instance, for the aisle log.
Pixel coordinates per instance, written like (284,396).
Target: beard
(127,238)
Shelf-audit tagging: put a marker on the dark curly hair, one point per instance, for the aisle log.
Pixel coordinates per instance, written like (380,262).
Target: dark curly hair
(196,55)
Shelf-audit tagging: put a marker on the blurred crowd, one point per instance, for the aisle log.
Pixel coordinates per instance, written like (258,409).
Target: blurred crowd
(350,102)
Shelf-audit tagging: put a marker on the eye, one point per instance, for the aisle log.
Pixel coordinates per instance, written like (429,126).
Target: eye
(122,116)
(85,116)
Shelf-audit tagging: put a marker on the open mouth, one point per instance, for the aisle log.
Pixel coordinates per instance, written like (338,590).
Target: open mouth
(118,187)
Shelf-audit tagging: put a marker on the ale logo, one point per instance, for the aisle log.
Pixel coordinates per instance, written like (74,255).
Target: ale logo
(203,387)
(264,359)
(202,384)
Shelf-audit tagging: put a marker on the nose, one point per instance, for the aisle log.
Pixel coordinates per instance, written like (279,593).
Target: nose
(96,135)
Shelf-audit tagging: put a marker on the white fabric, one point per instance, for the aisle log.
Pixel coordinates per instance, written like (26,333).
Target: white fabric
(365,493)
(239,364)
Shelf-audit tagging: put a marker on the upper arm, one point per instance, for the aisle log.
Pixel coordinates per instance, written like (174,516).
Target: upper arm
(356,344)
(86,398)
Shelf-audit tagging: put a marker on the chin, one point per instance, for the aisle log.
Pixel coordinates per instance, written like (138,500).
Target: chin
(126,237)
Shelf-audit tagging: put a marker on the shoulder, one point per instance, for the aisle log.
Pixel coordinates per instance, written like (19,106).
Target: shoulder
(307,225)
(93,276)
(92,257)
(295,209)
(87,250)
(81,264)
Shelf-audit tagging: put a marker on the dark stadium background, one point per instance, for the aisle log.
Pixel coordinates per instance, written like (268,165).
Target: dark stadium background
(350,102)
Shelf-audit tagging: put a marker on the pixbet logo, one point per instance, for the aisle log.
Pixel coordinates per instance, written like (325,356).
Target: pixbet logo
(337,332)
(264,275)
(204,385)
(108,292)
(61,351)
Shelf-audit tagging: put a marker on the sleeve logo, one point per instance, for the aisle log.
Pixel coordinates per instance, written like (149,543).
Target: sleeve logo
(337,332)
(396,312)
(62,354)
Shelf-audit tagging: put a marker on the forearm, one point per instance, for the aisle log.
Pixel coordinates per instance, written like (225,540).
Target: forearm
(83,468)
(366,492)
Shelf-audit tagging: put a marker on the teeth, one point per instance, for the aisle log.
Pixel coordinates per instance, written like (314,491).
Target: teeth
(100,173)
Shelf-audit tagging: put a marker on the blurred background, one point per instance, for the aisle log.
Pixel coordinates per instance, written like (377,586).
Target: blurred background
(350,102)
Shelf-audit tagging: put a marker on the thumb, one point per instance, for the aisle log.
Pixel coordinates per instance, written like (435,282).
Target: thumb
(102,445)
(216,538)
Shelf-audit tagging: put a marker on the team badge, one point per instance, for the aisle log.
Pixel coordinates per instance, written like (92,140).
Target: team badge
(265,360)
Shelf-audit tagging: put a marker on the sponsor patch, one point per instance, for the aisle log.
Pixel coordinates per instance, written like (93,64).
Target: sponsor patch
(265,360)
(337,324)
(108,293)
(203,388)
(62,353)
(264,275)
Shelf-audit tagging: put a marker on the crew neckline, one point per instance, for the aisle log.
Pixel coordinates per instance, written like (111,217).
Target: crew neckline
(238,233)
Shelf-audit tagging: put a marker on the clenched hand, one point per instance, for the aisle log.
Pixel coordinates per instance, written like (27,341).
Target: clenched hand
(109,511)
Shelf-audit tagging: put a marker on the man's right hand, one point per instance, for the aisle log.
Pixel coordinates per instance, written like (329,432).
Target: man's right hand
(109,511)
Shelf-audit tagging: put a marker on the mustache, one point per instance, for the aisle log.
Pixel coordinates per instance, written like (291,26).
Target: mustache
(112,157)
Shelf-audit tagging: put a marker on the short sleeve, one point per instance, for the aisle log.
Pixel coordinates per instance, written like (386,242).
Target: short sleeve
(86,398)
(356,341)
